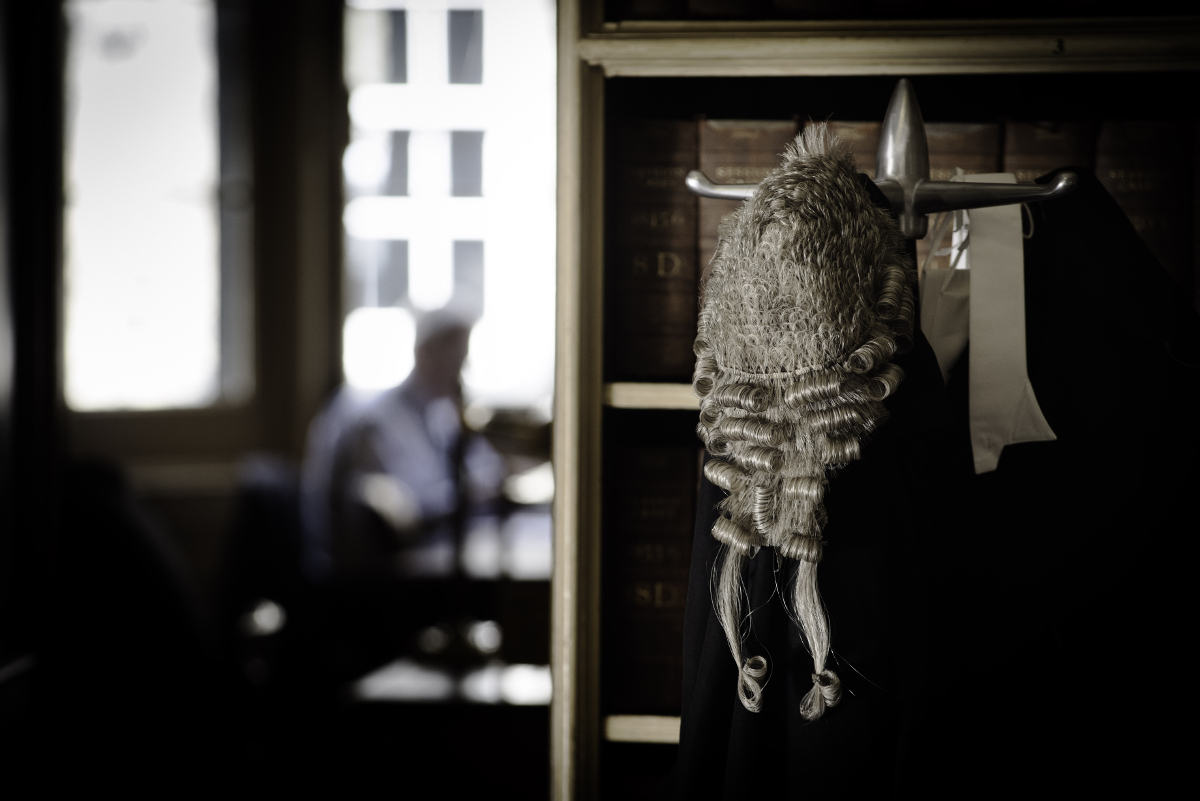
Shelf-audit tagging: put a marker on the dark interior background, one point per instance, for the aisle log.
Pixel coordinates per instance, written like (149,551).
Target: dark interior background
(116,583)
(281,69)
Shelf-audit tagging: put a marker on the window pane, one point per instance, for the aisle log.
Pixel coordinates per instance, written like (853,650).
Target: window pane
(393,273)
(466,47)
(397,181)
(399,42)
(468,276)
(142,278)
(466,163)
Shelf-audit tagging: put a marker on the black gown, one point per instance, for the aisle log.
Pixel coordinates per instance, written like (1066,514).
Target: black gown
(1019,628)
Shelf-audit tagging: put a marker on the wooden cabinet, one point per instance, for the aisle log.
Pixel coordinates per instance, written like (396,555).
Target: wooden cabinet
(963,70)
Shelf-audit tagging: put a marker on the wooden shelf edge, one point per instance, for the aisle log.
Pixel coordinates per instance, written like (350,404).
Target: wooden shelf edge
(926,52)
(641,729)
(834,27)
(635,395)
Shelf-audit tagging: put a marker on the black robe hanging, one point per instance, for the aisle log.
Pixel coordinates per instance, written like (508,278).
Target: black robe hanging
(1021,627)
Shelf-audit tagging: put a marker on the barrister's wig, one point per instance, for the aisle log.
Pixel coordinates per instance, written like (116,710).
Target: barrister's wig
(808,300)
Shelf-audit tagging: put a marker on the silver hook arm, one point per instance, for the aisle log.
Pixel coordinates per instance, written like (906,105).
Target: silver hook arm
(928,197)
(700,185)
(931,197)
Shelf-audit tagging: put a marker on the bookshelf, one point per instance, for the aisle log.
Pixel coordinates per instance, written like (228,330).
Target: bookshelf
(594,57)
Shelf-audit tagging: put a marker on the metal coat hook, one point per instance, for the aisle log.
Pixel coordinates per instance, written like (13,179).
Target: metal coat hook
(902,174)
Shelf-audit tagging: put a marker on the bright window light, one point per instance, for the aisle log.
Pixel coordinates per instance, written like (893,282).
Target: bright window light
(465,89)
(142,277)
(527,685)
(377,347)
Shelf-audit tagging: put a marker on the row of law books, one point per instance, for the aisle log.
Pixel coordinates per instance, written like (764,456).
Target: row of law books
(661,238)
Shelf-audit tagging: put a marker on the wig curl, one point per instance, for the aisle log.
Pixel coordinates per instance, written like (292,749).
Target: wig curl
(808,301)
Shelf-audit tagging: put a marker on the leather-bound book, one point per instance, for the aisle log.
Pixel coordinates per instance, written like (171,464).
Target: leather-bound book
(1032,149)
(648,516)
(861,139)
(1147,168)
(735,152)
(972,147)
(651,275)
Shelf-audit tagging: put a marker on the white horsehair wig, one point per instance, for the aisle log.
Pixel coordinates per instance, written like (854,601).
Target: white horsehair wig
(808,301)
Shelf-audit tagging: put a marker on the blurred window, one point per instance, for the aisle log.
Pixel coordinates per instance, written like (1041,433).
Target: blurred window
(452,156)
(156,289)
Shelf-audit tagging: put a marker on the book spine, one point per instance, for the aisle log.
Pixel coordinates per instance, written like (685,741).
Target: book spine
(1147,168)
(972,147)
(1032,149)
(735,152)
(648,520)
(862,140)
(651,276)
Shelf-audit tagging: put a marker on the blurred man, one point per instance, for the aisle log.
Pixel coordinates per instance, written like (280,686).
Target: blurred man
(392,481)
